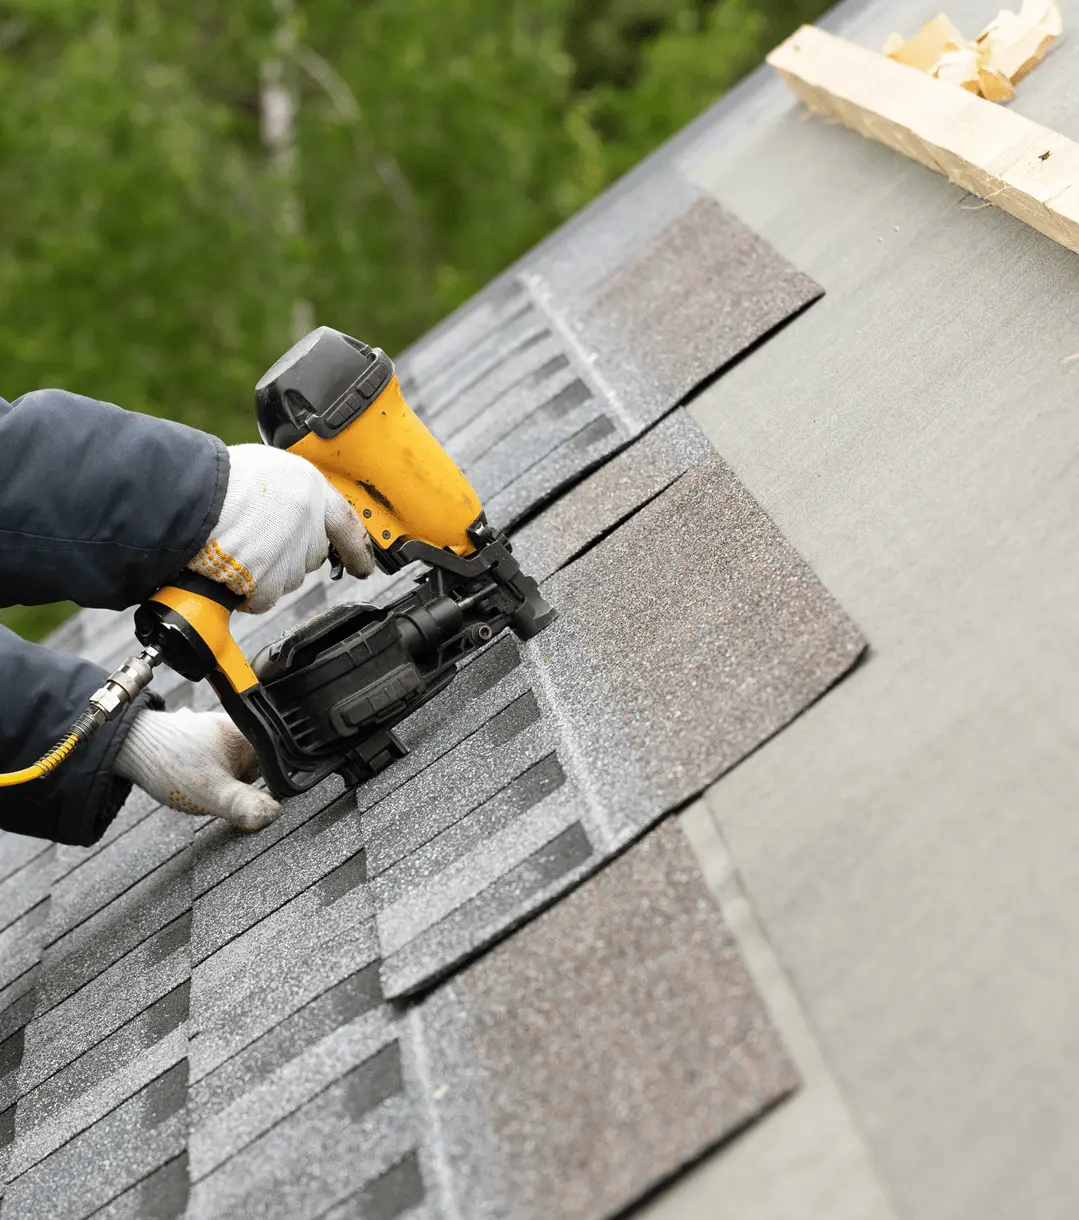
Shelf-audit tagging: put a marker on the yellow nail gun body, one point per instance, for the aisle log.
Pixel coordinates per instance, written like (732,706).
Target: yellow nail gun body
(325,697)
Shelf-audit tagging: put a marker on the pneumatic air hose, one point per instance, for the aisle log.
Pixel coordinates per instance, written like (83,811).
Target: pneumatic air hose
(104,705)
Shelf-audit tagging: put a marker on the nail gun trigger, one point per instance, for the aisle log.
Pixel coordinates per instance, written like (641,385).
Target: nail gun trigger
(337,568)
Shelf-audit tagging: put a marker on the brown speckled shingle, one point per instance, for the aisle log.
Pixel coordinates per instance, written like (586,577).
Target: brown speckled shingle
(610,1042)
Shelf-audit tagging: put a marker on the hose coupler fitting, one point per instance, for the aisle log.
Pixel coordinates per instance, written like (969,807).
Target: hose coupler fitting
(123,685)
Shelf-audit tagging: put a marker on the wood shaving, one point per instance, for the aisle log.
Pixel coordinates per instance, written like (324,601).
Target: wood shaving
(990,65)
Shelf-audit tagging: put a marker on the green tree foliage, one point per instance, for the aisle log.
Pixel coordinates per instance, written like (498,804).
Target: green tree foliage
(472,142)
(156,253)
(137,254)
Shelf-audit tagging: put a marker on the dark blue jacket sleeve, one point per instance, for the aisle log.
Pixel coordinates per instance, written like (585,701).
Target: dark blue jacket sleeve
(99,506)
(43,692)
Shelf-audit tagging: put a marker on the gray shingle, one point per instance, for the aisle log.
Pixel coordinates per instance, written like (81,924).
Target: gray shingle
(275,968)
(20,943)
(346,1137)
(16,851)
(161,1196)
(116,996)
(97,1081)
(219,850)
(451,339)
(12,1049)
(274,877)
(112,871)
(138,806)
(220,1132)
(96,943)
(532,374)
(612,1041)
(728,636)
(536,483)
(17,1002)
(508,898)
(416,868)
(454,786)
(344,1002)
(471,366)
(102,1162)
(396,1192)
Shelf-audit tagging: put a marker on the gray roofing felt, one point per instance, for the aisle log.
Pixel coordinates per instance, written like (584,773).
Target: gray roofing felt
(911,845)
(206,1023)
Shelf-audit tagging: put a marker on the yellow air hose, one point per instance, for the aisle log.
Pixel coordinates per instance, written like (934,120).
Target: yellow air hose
(105,704)
(46,763)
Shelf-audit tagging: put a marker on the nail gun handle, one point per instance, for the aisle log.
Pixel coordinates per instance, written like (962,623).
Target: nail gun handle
(189,621)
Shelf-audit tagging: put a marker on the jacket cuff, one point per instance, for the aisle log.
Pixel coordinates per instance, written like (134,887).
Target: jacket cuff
(107,791)
(213,511)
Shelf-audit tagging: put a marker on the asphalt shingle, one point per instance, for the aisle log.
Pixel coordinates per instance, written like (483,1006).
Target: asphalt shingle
(110,872)
(609,496)
(17,851)
(341,1141)
(96,943)
(221,1129)
(262,977)
(99,1164)
(161,1196)
(20,952)
(640,698)
(138,806)
(613,1040)
(94,1084)
(62,1032)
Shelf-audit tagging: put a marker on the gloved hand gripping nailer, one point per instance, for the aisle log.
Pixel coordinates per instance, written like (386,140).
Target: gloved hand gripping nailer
(325,697)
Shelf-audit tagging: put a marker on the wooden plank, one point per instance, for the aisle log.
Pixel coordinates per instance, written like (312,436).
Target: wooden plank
(1020,166)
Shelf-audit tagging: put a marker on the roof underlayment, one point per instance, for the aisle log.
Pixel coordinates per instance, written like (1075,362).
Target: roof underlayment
(494,982)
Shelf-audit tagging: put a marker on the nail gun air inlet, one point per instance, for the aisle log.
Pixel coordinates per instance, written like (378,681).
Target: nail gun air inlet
(105,704)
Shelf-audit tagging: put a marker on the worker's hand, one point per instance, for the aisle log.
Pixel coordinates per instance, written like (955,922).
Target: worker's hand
(196,762)
(277,522)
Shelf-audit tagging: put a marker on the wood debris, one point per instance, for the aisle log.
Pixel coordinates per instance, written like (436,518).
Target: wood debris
(989,65)
(1018,165)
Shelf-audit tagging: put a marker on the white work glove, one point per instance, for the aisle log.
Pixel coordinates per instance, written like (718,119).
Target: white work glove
(196,762)
(277,522)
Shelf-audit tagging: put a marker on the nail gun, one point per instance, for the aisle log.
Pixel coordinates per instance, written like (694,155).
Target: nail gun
(326,696)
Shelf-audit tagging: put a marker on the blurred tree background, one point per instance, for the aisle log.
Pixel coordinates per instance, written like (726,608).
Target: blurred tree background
(186,184)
